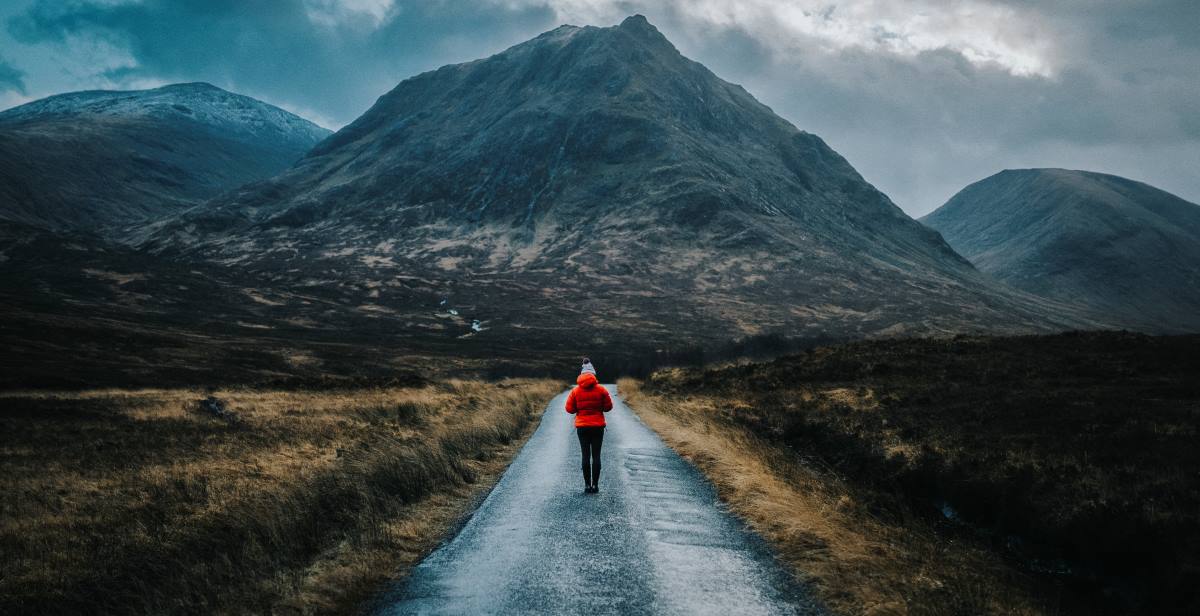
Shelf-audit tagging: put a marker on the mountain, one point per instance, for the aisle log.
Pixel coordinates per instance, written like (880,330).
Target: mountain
(589,183)
(87,161)
(1121,249)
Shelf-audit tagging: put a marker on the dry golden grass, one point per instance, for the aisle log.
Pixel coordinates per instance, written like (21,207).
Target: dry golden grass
(858,563)
(122,501)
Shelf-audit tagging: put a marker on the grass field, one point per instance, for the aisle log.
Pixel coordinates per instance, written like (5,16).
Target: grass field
(974,475)
(142,501)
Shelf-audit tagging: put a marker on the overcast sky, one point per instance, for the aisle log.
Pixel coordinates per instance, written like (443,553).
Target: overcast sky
(923,97)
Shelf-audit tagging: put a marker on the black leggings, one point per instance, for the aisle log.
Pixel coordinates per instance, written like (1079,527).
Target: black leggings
(590,441)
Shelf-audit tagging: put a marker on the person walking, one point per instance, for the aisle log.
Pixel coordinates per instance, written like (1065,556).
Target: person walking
(588,402)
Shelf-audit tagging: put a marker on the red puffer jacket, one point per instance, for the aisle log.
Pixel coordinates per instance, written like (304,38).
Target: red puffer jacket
(588,402)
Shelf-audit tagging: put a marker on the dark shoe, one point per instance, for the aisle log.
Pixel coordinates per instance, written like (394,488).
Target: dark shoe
(595,489)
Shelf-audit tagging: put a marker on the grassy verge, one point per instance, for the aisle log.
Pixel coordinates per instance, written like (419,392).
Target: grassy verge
(858,563)
(301,502)
(974,475)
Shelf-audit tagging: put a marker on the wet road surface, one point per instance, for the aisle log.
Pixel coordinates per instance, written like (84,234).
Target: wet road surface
(654,541)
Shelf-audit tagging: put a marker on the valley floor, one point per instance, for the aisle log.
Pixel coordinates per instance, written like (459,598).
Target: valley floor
(859,563)
(143,501)
(1052,474)
(1019,475)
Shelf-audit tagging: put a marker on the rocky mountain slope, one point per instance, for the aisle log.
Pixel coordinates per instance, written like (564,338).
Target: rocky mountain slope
(93,161)
(1123,250)
(590,183)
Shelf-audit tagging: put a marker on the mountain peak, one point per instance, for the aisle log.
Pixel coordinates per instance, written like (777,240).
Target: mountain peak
(641,28)
(600,156)
(196,101)
(198,86)
(635,27)
(1115,246)
(98,160)
(638,23)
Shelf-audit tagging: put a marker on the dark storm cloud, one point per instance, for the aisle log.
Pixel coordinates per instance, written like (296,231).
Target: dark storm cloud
(1120,96)
(276,49)
(922,97)
(10,77)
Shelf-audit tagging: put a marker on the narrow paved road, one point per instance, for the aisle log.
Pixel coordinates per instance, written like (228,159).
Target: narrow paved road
(654,541)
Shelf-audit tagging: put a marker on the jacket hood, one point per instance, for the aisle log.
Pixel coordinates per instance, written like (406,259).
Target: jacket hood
(587,380)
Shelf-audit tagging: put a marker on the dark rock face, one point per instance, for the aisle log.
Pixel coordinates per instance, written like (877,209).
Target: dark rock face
(92,161)
(594,180)
(1122,250)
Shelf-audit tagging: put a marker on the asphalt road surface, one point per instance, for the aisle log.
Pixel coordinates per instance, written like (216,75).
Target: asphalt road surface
(654,541)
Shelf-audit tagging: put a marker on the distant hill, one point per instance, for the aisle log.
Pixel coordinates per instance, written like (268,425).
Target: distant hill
(1121,249)
(90,161)
(589,185)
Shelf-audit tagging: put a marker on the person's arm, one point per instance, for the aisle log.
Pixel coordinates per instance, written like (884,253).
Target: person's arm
(607,401)
(571,402)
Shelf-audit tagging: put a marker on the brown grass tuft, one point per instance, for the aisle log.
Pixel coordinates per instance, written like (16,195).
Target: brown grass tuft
(121,501)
